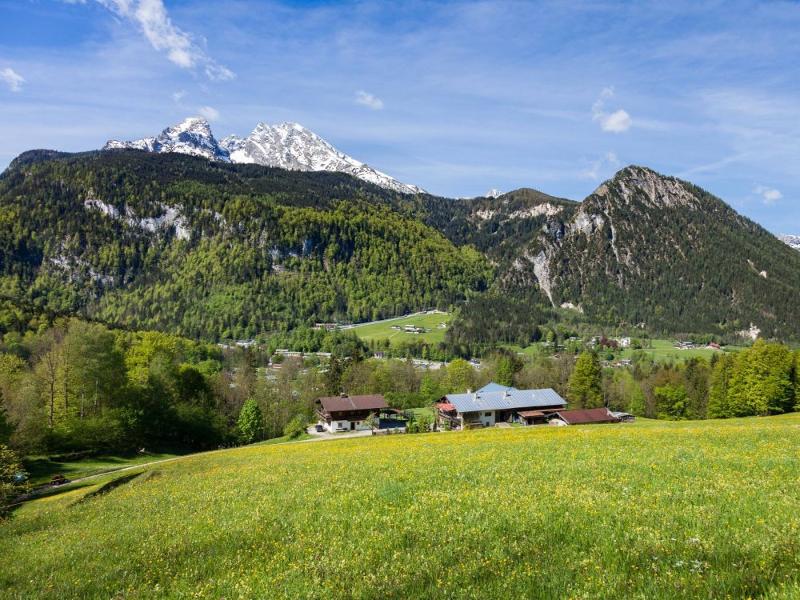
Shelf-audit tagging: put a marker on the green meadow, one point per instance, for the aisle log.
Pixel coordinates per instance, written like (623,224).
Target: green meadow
(661,350)
(382,330)
(646,510)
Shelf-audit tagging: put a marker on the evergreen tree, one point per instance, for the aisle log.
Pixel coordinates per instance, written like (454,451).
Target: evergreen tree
(797,380)
(251,422)
(505,371)
(333,377)
(585,384)
(718,403)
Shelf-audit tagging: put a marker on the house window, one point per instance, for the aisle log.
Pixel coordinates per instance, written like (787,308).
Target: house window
(488,414)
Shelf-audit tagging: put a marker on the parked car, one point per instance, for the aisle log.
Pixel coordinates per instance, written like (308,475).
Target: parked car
(58,480)
(318,428)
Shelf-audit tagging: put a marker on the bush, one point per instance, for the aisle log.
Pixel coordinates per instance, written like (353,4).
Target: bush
(251,422)
(296,427)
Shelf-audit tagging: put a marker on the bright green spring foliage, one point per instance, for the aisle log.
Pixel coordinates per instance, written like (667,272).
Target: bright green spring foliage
(251,422)
(690,509)
(757,381)
(207,250)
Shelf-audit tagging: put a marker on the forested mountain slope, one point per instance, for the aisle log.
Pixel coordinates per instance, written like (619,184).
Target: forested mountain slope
(642,249)
(209,249)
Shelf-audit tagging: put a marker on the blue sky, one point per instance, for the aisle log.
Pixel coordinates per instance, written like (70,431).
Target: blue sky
(456,97)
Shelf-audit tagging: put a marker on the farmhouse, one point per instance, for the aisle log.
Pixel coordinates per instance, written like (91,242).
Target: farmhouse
(582,417)
(348,413)
(495,403)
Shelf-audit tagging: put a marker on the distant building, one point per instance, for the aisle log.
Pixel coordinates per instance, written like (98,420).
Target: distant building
(583,416)
(495,403)
(348,413)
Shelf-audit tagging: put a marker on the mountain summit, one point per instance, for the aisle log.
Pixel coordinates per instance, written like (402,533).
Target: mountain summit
(191,136)
(286,145)
(643,248)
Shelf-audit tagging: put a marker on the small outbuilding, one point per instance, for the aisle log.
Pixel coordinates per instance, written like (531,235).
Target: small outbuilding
(348,413)
(583,416)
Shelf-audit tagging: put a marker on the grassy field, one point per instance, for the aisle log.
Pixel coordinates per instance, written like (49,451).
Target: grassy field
(647,510)
(42,468)
(662,350)
(382,330)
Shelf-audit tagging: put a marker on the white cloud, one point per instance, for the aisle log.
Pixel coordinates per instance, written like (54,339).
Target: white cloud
(153,20)
(178,96)
(12,79)
(604,164)
(370,101)
(208,113)
(768,195)
(615,122)
(217,72)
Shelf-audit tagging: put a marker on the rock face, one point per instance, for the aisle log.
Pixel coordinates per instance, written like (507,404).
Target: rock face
(285,145)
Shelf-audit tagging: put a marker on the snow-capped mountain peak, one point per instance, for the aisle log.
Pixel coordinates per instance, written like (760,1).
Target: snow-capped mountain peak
(792,240)
(493,193)
(190,136)
(285,145)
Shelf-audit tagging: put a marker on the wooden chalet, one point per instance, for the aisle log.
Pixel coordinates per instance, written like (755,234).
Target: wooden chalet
(348,413)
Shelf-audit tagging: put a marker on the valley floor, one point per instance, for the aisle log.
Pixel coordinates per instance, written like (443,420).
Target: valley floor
(646,510)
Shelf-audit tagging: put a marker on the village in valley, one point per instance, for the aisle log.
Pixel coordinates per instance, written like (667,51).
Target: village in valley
(489,404)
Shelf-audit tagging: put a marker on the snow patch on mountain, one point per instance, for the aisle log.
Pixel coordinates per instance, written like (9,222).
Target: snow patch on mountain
(792,240)
(285,145)
(191,136)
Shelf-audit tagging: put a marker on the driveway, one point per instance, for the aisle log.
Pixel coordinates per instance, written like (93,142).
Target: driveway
(327,435)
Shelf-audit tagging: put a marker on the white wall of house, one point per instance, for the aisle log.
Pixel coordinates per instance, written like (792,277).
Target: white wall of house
(335,426)
(485,418)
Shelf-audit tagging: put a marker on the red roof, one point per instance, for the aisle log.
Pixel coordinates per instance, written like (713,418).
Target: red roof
(587,415)
(445,406)
(346,403)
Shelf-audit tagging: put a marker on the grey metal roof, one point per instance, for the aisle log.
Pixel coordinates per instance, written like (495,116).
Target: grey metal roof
(493,387)
(504,399)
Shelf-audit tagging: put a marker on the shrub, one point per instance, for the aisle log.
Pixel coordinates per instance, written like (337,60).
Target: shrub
(296,427)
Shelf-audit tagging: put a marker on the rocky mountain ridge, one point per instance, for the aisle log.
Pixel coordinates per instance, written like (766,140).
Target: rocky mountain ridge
(284,145)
